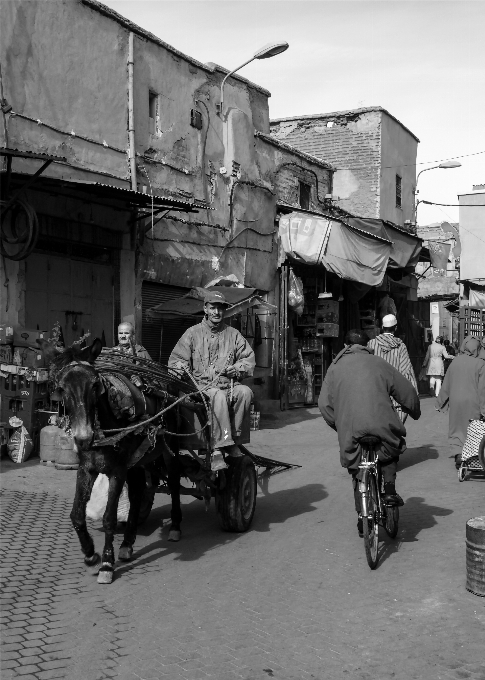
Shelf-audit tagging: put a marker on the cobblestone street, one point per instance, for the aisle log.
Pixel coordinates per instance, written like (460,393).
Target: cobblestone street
(291,599)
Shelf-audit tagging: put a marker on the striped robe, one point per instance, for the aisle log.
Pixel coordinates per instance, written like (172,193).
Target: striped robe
(394,351)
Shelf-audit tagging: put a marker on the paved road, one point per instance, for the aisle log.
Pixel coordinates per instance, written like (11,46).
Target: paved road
(291,599)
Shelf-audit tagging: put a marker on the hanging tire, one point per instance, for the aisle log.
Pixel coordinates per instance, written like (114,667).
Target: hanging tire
(146,504)
(392,521)
(236,502)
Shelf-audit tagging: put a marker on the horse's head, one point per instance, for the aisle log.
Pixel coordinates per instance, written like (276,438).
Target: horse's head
(77,385)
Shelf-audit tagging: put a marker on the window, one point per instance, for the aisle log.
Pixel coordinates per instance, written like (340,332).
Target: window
(305,194)
(152,112)
(398,191)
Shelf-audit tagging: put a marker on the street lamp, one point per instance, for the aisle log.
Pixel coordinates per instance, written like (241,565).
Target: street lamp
(446,165)
(270,50)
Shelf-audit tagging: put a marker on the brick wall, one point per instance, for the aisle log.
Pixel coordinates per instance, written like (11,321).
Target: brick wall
(352,143)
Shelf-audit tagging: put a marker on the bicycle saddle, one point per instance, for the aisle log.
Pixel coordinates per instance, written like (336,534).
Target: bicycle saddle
(370,439)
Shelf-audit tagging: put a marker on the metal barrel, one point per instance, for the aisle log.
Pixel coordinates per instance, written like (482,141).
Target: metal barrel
(475,556)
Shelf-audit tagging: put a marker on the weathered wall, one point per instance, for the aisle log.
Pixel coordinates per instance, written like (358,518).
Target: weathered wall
(351,142)
(361,144)
(64,68)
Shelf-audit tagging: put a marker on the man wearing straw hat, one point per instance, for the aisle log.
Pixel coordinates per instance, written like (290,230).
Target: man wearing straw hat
(217,357)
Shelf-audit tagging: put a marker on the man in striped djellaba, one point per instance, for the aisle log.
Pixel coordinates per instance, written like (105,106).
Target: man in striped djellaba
(394,351)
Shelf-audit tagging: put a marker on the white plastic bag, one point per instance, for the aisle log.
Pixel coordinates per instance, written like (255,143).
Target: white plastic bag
(99,497)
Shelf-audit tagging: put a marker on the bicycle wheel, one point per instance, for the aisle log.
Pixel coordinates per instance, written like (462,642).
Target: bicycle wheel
(392,520)
(371,524)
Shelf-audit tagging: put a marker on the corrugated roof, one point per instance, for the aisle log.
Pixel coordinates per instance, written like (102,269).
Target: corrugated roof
(336,114)
(291,149)
(33,155)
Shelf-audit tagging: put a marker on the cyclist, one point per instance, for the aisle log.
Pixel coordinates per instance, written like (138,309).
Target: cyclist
(355,401)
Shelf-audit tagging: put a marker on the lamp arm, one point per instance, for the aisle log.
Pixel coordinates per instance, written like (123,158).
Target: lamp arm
(230,74)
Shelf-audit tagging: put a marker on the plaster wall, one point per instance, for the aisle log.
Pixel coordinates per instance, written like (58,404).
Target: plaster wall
(472,235)
(398,157)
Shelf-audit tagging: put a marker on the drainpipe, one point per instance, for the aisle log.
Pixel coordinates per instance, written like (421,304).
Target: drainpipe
(131,117)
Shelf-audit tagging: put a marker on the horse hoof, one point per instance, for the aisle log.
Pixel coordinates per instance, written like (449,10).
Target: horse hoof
(105,574)
(174,535)
(126,551)
(92,561)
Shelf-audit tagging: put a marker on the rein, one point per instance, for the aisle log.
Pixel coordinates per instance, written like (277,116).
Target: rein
(119,433)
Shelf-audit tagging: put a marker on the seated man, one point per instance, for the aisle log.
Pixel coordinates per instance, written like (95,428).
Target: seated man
(126,340)
(356,401)
(217,357)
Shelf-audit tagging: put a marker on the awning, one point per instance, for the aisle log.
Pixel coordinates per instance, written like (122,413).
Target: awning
(191,305)
(130,198)
(357,250)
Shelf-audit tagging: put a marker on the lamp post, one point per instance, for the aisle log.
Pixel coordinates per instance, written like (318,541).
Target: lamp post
(446,165)
(270,50)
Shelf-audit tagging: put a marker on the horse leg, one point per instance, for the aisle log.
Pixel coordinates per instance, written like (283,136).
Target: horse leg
(173,481)
(116,481)
(84,485)
(136,485)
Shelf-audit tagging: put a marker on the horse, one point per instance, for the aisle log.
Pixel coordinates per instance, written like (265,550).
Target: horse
(79,386)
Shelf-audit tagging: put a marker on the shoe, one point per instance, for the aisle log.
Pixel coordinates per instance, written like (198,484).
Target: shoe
(458,461)
(360,527)
(390,495)
(233,451)
(217,461)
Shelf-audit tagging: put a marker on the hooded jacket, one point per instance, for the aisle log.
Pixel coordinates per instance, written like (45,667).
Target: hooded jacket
(355,401)
(464,389)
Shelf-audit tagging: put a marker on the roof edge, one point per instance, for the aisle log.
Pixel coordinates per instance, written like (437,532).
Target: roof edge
(293,150)
(126,23)
(364,109)
(216,67)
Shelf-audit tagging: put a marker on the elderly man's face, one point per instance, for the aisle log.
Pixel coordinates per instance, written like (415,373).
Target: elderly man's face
(214,312)
(125,333)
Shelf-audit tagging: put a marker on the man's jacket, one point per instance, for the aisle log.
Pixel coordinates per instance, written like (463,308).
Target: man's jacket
(355,401)
(206,353)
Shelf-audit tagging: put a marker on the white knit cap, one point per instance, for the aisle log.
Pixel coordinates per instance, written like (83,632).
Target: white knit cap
(389,321)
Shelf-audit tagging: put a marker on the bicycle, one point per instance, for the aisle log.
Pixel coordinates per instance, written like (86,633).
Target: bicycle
(374,510)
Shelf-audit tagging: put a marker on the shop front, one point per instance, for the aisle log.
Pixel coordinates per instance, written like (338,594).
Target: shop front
(336,276)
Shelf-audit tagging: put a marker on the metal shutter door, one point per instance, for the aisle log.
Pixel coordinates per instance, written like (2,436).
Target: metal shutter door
(153,294)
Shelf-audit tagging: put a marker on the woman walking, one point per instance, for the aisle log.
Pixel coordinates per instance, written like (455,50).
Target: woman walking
(434,364)
(464,389)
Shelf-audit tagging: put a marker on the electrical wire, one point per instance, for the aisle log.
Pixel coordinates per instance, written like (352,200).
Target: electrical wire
(410,165)
(454,205)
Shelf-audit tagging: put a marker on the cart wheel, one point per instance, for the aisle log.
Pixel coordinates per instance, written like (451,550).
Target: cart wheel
(481,452)
(236,502)
(146,504)
(462,473)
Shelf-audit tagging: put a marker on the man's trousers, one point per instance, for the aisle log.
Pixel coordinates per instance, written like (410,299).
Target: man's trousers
(230,422)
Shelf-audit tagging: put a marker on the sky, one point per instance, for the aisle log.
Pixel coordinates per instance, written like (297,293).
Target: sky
(423,61)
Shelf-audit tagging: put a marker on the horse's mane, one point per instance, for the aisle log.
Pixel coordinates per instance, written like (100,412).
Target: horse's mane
(72,353)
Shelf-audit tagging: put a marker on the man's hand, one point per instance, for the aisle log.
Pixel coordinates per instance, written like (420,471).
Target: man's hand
(178,369)
(231,372)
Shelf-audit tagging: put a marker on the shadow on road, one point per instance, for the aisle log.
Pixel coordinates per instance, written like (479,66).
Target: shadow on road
(201,532)
(274,421)
(417,455)
(415,516)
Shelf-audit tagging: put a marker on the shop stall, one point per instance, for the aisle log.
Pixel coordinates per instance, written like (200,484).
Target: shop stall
(336,276)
